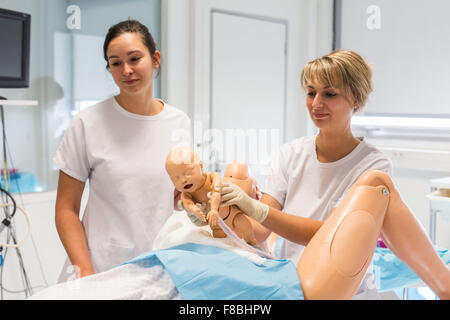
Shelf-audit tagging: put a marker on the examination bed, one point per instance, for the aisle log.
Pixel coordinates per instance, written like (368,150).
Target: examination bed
(187,263)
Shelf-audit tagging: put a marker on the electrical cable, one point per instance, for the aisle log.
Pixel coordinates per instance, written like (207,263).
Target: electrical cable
(19,291)
(27,218)
(25,280)
(6,222)
(15,244)
(8,217)
(12,200)
(41,268)
(5,161)
(23,206)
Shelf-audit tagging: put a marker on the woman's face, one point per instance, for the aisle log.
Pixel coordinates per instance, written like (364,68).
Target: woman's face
(131,64)
(328,108)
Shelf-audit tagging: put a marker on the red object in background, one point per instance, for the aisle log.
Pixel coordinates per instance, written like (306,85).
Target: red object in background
(381,244)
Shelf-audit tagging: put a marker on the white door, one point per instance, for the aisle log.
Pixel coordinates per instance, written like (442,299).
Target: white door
(248,87)
(246,94)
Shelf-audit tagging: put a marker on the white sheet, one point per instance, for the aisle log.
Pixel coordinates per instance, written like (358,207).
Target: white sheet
(179,229)
(127,282)
(132,281)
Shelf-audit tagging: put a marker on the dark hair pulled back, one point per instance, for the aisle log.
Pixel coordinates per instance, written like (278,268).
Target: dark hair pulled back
(127,26)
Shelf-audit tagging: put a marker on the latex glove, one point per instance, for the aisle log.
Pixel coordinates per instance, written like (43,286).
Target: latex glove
(195,219)
(233,195)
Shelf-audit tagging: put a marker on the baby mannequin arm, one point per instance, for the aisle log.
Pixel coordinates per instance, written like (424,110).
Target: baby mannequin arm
(190,206)
(176,198)
(213,214)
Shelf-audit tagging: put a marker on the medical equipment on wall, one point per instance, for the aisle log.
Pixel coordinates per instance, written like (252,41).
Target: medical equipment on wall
(11,242)
(6,223)
(9,239)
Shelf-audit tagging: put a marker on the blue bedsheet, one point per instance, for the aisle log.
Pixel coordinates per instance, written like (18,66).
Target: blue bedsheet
(202,272)
(391,273)
(211,273)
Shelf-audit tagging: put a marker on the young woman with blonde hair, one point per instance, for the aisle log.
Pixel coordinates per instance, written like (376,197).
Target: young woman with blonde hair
(336,193)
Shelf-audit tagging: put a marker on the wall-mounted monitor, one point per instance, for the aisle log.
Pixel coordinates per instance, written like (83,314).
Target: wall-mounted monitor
(14,49)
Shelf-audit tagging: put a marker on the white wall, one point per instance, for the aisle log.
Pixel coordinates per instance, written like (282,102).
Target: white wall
(416,162)
(176,39)
(185,43)
(393,40)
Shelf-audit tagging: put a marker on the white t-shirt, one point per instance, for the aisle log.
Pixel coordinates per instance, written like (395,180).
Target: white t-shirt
(123,156)
(308,188)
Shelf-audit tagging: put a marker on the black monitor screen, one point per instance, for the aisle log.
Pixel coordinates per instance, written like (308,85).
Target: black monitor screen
(14,49)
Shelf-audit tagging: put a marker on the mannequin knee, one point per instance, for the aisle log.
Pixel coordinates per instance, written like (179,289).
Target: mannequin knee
(375,178)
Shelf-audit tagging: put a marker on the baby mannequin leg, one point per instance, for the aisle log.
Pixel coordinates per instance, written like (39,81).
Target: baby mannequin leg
(243,228)
(337,257)
(218,232)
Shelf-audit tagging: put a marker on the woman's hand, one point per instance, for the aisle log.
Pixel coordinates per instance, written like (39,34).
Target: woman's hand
(85,272)
(233,195)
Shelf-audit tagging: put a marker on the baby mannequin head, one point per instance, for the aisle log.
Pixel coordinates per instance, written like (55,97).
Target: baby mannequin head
(237,173)
(185,169)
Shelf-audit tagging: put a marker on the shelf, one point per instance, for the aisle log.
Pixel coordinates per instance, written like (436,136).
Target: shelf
(19,102)
(442,183)
(438,202)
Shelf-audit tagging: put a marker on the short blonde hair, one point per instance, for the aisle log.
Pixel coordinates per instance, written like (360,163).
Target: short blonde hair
(343,70)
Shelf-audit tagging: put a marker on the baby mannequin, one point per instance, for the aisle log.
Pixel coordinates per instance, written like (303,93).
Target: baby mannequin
(198,187)
(237,174)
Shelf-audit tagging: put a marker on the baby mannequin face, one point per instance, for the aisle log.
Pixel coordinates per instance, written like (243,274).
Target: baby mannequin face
(185,169)
(186,177)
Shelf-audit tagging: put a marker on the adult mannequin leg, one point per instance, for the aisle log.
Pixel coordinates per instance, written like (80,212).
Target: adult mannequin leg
(407,239)
(337,257)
